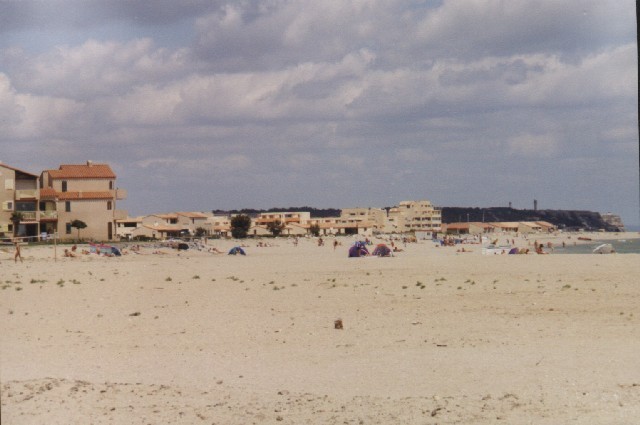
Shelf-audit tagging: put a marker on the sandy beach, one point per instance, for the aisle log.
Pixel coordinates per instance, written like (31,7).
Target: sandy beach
(430,336)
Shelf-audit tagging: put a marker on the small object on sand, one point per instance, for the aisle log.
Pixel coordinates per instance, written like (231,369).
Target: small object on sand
(337,324)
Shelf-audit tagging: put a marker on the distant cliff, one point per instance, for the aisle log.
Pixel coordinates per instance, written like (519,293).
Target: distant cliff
(564,219)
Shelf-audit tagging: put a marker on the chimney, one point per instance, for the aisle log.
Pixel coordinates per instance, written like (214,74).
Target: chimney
(89,163)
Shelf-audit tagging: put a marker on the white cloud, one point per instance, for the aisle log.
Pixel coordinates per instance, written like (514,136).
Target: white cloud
(270,89)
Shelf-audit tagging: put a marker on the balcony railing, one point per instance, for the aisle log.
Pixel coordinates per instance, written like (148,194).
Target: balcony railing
(26,194)
(48,215)
(28,216)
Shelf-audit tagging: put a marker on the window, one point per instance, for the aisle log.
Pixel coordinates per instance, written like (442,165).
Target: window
(9,184)
(7,206)
(109,205)
(64,185)
(67,206)
(68,228)
(110,184)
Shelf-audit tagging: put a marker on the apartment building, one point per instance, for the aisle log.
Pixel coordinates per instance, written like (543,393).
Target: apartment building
(18,194)
(285,217)
(412,216)
(85,192)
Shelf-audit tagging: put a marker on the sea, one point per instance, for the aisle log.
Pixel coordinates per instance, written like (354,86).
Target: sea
(621,246)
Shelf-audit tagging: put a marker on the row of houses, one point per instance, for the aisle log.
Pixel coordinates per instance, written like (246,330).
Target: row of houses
(36,205)
(408,216)
(476,228)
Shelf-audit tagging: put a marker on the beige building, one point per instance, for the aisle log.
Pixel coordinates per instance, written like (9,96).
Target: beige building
(467,228)
(85,192)
(411,216)
(18,193)
(286,218)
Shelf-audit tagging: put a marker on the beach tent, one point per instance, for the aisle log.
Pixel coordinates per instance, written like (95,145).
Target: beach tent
(104,249)
(382,250)
(236,250)
(514,251)
(358,249)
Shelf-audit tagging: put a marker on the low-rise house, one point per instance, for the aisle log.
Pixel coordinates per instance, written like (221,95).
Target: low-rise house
(466,228)
(127,228)
(506,226)
(545,226)
(192,221)
(219,226)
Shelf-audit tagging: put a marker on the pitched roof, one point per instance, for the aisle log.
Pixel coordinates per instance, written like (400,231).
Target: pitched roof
(192,214)
(17,169)
(83,171)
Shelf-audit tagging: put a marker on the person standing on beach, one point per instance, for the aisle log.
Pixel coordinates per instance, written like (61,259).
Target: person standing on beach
(18,254)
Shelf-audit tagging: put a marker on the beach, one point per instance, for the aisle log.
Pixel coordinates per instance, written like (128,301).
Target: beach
(431,335)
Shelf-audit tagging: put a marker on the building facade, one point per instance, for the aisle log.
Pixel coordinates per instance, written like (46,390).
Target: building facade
(18,195)
(85,192)
(411,216)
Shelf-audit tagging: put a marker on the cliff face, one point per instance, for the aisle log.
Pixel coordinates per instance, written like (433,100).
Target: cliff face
(564,219)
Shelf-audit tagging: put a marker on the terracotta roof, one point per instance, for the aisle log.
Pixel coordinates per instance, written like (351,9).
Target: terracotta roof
(129,220)
(47,193)
(193,214)
(170,215)
(161,228)
(83,171)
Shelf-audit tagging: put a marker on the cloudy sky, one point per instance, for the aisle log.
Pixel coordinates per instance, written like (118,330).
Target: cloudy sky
(199,105)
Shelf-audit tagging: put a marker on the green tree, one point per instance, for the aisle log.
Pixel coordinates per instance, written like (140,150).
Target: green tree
(78,224)
(200,232)
(240,225)
(314,229)
(16,218)
(276,227)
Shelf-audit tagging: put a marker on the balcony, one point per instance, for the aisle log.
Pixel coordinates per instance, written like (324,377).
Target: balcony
(26,194)
(48,215)
(28,216)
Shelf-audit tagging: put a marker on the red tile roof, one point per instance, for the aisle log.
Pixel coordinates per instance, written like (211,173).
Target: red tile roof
(47,193)
(83,171)
(192,214)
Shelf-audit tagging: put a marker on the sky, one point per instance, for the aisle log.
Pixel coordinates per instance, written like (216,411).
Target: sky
(201,105)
